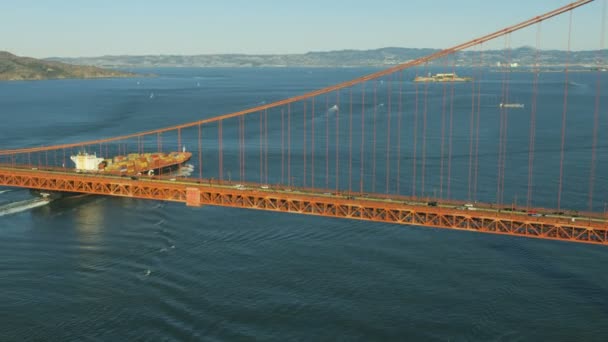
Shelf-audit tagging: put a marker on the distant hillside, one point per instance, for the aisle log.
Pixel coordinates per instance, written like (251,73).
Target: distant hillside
(24,68)
(524,56)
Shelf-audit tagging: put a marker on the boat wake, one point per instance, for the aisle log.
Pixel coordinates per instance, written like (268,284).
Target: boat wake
(4,191)
(576,84)
(186,170)
(17,207)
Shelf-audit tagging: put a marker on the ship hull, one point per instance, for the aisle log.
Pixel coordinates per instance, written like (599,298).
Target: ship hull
(137,164)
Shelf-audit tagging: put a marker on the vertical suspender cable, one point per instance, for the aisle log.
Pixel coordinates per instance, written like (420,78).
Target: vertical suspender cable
(451,133)
(266,146)
(374,137)
(423,171)
(312,143)
(361,175)
(304,146)
(289,144)
(415,142)
(200,152)
(596,112)
(282,146)
(471,134)
(506,126)
(478,121)
(564,112)
(220,151)
(442,148)
(261,147)
(179,139)
(399,132)
(532,134)
(388,131)
(337,140)
(350,143)
(327,141)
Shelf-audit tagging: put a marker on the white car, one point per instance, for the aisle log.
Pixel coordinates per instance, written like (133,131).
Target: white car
(469,206)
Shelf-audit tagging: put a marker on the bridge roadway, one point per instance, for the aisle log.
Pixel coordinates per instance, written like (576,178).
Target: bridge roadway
(480,217)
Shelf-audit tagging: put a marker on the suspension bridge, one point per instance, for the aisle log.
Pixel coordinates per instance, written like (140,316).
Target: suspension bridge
(397,145)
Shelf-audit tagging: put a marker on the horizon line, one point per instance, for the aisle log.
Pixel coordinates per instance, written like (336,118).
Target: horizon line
(302,53)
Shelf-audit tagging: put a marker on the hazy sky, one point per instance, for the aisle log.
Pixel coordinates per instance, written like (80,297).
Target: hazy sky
(110,27)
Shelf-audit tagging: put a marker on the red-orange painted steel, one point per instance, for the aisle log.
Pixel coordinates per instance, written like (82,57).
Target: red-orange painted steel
(594,231)
(382,208)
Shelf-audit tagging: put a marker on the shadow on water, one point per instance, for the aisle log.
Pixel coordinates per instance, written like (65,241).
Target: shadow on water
(65,203)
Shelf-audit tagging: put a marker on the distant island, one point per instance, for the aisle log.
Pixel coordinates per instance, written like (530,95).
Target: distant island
(15,68)
(523,57)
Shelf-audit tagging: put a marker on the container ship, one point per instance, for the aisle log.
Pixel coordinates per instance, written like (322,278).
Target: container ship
(133,164)
(449,77)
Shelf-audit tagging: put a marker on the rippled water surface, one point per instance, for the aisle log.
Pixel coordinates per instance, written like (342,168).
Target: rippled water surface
(96,268)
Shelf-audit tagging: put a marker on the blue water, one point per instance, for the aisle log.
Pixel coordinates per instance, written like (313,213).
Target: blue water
(95,268)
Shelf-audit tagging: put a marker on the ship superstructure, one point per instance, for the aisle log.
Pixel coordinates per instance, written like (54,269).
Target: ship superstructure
(86,162)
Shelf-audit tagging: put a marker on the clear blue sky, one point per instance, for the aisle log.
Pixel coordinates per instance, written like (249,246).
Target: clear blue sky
(44,28)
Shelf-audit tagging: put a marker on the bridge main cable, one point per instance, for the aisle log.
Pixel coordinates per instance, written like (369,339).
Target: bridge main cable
(325,90)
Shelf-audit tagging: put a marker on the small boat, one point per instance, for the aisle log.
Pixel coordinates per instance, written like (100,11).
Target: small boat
(511,105)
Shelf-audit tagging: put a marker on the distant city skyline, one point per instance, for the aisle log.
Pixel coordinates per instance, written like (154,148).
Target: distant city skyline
(83,28)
